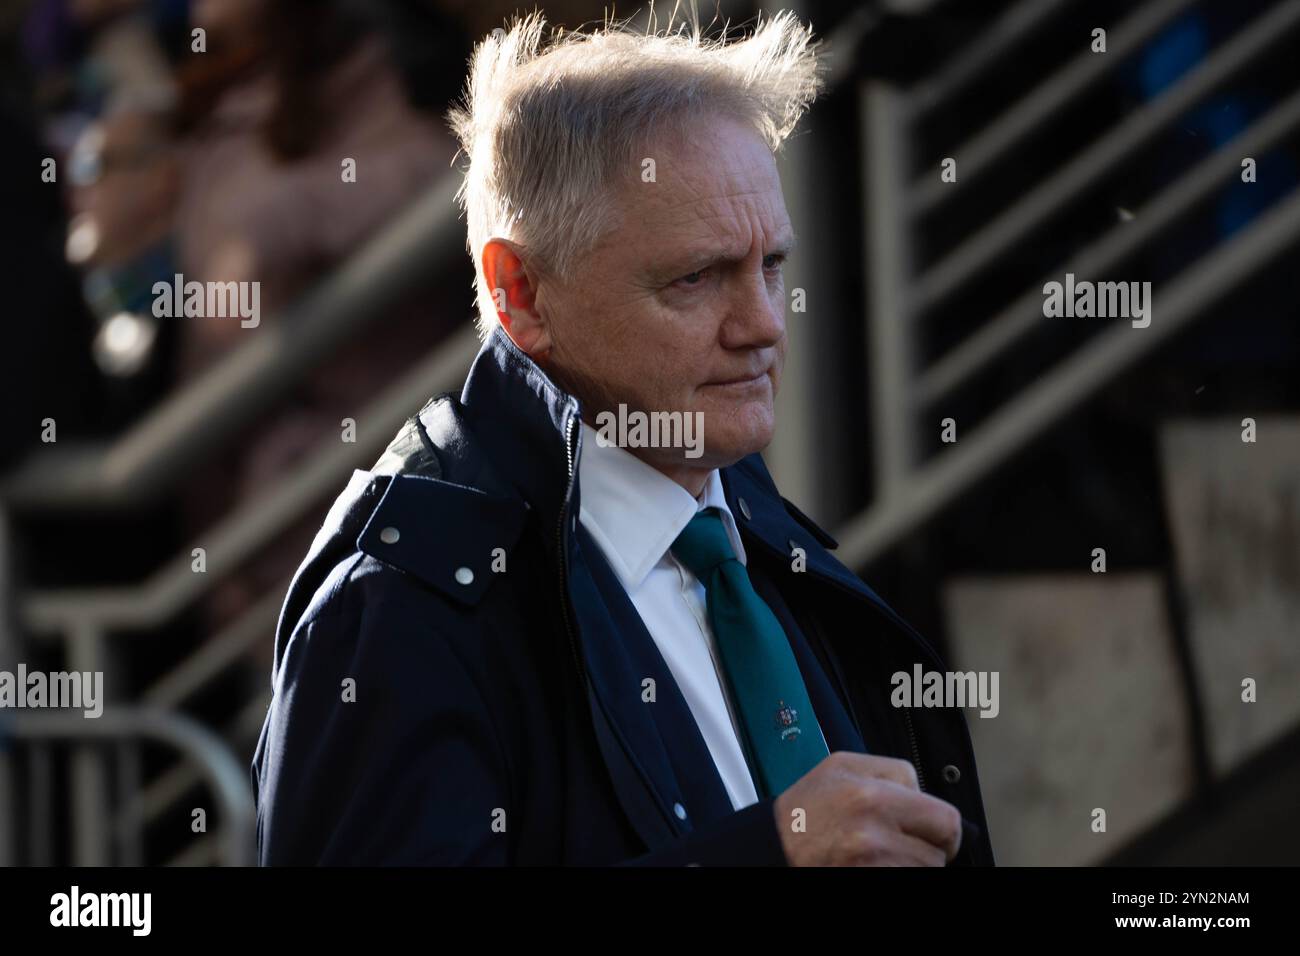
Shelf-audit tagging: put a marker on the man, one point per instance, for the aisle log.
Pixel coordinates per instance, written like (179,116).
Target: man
(514,642)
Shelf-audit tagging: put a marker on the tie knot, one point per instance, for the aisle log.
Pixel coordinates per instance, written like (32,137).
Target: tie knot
(703,544)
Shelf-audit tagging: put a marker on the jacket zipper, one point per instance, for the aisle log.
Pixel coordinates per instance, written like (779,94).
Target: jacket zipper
(564,552)
(571,449)
(916,751)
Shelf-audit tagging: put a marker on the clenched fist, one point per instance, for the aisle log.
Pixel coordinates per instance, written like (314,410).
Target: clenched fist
(865,810)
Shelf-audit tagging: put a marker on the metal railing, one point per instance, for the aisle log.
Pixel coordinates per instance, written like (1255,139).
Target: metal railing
(909,491)
(96,828)
(1043,101)
(909,399)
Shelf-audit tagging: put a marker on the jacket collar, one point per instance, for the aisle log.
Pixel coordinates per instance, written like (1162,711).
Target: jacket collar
(518,414)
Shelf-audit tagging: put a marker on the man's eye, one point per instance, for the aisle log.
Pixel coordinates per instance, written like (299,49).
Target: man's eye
(692,278)
(773,261)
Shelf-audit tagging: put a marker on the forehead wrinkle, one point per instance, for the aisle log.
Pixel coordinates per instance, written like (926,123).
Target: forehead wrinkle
(720,215)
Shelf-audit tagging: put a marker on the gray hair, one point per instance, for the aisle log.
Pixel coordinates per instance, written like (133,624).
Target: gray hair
(550,127)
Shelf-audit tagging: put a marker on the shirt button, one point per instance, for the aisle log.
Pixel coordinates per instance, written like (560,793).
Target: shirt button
(389,535)
(680,811)
(464,576)
(951,774)
(744,507)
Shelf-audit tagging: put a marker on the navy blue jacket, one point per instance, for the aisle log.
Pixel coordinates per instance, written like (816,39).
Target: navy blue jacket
(459,679)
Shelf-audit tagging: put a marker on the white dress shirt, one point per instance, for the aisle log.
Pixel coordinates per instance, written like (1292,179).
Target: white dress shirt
(635,513)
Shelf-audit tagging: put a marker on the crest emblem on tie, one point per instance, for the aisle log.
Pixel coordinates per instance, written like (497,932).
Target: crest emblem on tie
(787,721)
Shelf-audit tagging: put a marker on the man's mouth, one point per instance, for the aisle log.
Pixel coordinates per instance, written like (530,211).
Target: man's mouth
(741,381)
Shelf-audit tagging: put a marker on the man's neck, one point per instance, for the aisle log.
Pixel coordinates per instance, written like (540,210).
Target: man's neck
(692,479)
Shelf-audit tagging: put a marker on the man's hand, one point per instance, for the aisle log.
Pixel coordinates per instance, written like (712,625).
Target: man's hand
(864,810)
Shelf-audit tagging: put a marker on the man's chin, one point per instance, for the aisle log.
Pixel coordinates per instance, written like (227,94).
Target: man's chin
(743,431)
(724,451)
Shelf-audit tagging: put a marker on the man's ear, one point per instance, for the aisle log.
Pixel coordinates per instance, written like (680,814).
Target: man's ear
(514,293)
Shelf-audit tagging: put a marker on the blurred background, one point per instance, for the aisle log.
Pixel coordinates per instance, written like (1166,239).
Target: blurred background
(161,478)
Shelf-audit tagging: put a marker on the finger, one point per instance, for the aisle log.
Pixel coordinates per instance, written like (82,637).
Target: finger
(931,819)
(892,847)
(913,851)
(892,769)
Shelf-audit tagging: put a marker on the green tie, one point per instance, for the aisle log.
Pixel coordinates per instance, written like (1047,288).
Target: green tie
(779,731)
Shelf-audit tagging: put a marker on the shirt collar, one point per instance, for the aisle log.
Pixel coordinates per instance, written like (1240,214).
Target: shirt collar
(635,513)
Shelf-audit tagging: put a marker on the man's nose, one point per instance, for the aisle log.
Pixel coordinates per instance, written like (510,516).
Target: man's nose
(756,316)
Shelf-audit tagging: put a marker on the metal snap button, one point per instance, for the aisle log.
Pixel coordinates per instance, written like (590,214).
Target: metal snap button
(744,507)
(464,576)
(951,774)
(680,811)
(389,535)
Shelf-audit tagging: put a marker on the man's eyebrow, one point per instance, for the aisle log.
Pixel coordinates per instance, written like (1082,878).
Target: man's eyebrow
(712,255)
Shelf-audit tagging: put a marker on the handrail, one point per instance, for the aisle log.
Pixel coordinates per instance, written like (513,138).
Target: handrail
(990,242)
(1066,386)
(152,801)
(281,351)
(979,152)
(982,347)
(1011,26)
(218,652)
(886,242)
(229,781)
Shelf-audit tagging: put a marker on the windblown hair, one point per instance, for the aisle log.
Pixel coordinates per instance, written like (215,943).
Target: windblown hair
(551,126)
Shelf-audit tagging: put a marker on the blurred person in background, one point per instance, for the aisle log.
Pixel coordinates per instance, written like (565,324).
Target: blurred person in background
(123,180)
(298,87)
(285,93)
(102,75)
